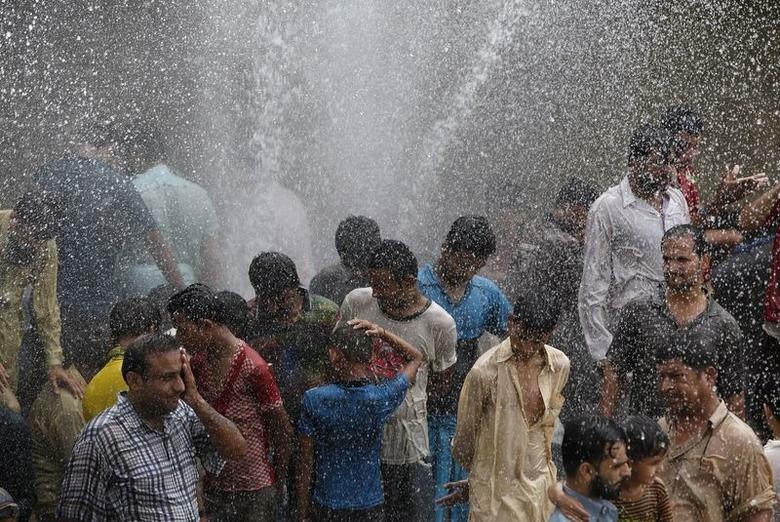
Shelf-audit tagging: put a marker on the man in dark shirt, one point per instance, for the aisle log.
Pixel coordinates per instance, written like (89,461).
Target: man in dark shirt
(645,325)
(16,467)
(356,237)
(102,211)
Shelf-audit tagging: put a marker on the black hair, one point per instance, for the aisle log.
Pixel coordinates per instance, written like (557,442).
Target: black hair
(136,357)
(395,257)
(356,346)
(236,312)
(700,246)
(682,119)
(537,313)
(42,212)
(652,139)
(143,140)
(356,237)
(271,273)
(471,234)
(99,134)
(695,349)
(770,393)
(198,303)
(589,439)
(160,295)
(576,192)
(133,317)
(645,438)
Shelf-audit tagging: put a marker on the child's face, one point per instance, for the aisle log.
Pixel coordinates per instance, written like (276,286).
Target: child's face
(644,470)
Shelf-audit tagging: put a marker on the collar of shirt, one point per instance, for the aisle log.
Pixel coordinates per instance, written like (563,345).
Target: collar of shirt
(594,507)
(628,196)
(117,351)
(772,444)
(428,277)
(505,353)
(659,301)
(713,423)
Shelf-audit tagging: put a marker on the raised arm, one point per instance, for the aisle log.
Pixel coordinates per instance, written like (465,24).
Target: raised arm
(164,258)
(411,354)
(755,213)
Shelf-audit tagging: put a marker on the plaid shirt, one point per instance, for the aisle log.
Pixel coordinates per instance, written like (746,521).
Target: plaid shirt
(121,469)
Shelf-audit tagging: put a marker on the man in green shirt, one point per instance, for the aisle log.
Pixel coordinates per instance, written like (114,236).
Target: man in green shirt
(28,256)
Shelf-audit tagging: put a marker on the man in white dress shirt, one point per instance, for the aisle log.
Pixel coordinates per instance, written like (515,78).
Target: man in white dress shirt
(622,256)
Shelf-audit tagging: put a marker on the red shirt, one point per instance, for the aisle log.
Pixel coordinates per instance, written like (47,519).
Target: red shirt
(246,393)
(689,189)
(772,298)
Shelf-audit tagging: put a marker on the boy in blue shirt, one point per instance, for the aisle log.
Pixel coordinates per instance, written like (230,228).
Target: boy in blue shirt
(341,424)
(477,305)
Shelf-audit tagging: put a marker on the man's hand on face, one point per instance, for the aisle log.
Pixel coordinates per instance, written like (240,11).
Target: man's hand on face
(60,376)
(191,393)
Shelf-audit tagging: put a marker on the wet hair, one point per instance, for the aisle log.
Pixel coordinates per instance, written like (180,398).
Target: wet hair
(137,355)
(649,139)
(133,317)
(236,312)
(42,212)
(695,349)
(589,439)
(536,313)
(140,139)
(576,192)
(99,134)
(356,237)
(198,303)
(645,438)
(271,273)
(160,295)
(770,393)
(356,346)
(682,119)
(471,234)
(395,257)
(700,246)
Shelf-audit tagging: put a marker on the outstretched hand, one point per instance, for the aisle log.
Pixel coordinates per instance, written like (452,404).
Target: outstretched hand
(459,494)
(370,328)
(60,376)
(733,188)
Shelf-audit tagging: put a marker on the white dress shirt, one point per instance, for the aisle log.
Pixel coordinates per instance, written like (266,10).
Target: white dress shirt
(622,257)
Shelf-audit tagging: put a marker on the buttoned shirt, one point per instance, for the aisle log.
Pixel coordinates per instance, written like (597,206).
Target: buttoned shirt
(509,461)
(122,469)
(772,452)
(41,272)
(721,474)
(599,510)
(622,257)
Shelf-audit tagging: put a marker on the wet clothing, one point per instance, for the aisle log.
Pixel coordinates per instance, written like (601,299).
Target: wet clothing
(185,217)
(645,324)
(41,273)
(102,390)
(55,421)
(408,492)
(653,506)
(599,510)
(720,474)
(246,393)
(323,514)
(335,282)
(689,189)
(509,460)
(622,257)
(240,506)
(122,468)
(345,420)
(297,354)
(772,452)
(16,466)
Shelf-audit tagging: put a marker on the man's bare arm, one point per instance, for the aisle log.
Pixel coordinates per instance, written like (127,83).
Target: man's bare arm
(303,475)
(211,262)
(280,433)
(164,258)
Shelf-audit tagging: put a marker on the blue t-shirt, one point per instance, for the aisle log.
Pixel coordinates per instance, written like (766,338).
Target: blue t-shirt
(345,420)
(483,308)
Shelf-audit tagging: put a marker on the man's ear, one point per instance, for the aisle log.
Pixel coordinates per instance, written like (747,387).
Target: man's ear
(335,355)
(586,471)
(134,380)
(711,374)
(706,260)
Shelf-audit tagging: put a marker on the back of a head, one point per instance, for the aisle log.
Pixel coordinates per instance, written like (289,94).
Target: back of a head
(537,313)
(99,134)
(650,139)
(681,119)
(356,238)
(42,212)
(198,303)
(143,141)
(576,192)
(395,257)
(236,312)
(696,349)
(356,346)
(645,438)
(133,317)
(589,439)
(137,355)
(271,273)
(700,246)
(9,509)
(471,234)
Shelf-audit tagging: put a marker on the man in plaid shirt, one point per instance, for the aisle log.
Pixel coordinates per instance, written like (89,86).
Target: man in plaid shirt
(137,460)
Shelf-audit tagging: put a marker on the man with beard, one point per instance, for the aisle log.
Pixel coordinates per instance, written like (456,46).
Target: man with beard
(622,256)
(715,468)
(28,254)
(477,306)
(596,465)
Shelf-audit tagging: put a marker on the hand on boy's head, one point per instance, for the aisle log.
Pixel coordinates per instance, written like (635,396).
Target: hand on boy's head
(370,328)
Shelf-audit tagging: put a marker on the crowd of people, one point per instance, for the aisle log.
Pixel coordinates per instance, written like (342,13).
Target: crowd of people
(622,364)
